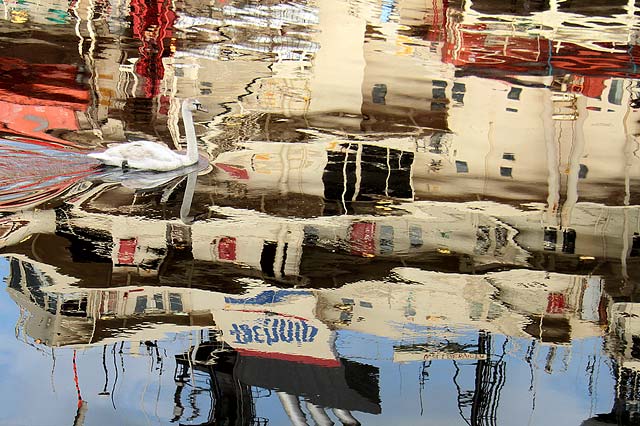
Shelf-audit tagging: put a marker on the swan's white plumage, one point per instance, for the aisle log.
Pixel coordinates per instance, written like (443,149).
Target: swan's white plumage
(143,155)
(147,155)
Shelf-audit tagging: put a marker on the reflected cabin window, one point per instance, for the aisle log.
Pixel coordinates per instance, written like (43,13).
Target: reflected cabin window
(462,167)
(509,156)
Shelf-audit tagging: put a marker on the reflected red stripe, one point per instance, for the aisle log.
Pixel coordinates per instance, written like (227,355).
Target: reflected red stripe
(302,359)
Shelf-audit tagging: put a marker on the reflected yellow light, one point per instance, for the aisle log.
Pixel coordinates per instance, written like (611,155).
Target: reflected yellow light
(443,251)
(587,258)
(19,16)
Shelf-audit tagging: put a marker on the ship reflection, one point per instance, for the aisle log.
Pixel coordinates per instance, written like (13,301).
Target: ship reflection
(299,346)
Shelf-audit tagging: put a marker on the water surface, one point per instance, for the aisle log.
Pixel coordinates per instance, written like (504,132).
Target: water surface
(404,213)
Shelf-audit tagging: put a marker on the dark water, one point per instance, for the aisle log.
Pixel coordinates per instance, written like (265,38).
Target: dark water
(405,212)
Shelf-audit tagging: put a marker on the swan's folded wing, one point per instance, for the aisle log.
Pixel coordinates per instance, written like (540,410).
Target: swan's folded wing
(141,155)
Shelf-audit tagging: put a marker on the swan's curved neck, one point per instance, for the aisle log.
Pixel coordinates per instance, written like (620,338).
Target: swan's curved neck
(190,131)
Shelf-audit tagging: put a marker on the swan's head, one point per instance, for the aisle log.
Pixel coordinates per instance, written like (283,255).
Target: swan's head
(194,105)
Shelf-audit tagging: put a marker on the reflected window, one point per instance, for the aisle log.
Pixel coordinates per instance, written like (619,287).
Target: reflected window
(415,236)
(74,307)
(556,303)
(475,310)
(569,241)
(506,171)
(178,235)
(362,238)
(501,237)
(509,156)
(635,245)
(494,311)
(436,143)
(379,94)
(52,305)
(227,248)
(386,239)
(157,299)
(438,106)
(582,173)
(141,304)
(175,302)
(127,251)
(615,92)
(458,90)
(462,167)
(386,10)
(483,240)
(514,93)
(550,239)
(311,236)
(594,7)
(268,258)
(438,91)
(635,348)
(513,7)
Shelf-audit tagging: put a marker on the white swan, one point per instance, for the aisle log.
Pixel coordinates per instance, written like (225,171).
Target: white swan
(147,155)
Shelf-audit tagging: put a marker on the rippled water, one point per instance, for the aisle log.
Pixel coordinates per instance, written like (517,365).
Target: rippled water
(403,213)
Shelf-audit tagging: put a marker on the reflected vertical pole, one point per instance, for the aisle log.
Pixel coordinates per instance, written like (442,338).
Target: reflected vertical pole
(346,417)
(291,406)
(577,150)
(553,178)
(319,415)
